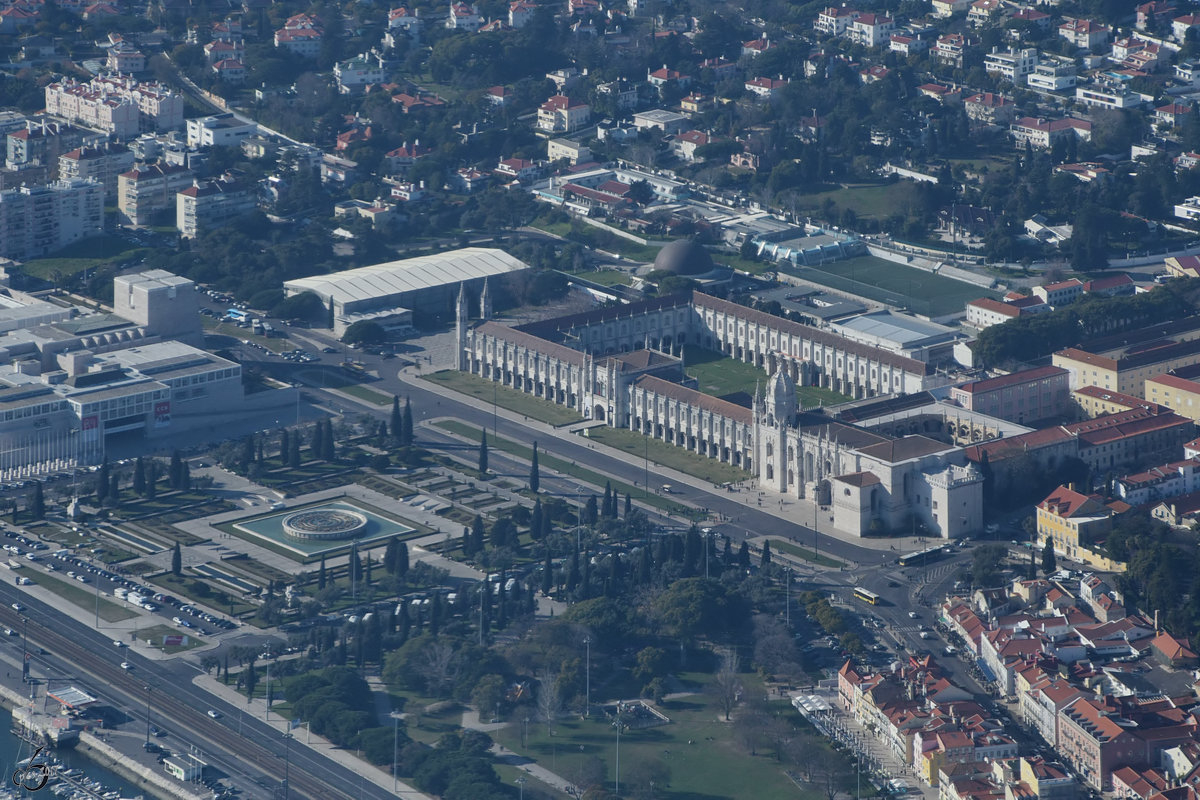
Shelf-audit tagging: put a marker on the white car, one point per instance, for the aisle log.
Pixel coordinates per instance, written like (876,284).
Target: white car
(119,643)
(214,714)
(126,665)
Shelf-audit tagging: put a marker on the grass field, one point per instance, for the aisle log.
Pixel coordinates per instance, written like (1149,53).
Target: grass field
(805,553)
(718,375)
(874,201)
(698,751)
(896,284)
(83,255)
(155,633)
(667,455)
(569,468)
(486,391)
(369,395)
(84,597)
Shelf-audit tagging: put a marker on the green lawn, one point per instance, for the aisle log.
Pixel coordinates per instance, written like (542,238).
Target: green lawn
(719,375)
(667,455)
(155,633)
(698,749)
(895,284)
(84,596)
(875,201)
(216,599)
(569,468)
(486,391)
(804,553)
(85,254)
(369,395)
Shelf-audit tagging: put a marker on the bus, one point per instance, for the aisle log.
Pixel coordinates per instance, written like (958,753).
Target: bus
(235,314)
(922,557)
(866,595)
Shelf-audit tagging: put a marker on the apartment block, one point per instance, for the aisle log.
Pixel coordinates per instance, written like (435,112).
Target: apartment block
(144,191)
(205,206)
(38,220)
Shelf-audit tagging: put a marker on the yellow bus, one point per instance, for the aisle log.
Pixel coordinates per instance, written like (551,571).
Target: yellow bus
(866,595)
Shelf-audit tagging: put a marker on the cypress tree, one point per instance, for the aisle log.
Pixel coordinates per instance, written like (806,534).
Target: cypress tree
(483,454)
(406,424)
(466,542)
(38,505)
(151,479)
(589,511)
(321,573)
(389,557)
(285,446)
(329,315)
(139,477)
(328,443)
(628,505)
(766,553)
(185,475)
(744,555)
(114,489)
(1049,560)
(535,479)
(606,505)
(477,532)
(176,561)
(535,520)
(293,459)
(396,420)
(402,559)
(174,477)
(314,444)
(102,483)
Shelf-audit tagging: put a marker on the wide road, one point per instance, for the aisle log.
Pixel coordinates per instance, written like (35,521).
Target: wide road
(242,747)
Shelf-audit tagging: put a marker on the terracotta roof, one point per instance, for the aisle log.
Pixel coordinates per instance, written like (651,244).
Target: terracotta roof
(520,338)
(988,304)
(1012,379)
(695,399)
(1175,382)
(859,479)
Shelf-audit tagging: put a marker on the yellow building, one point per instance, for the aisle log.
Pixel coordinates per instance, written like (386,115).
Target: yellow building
(1178,394)
(1097,402)
(1074,521)
(1125,372)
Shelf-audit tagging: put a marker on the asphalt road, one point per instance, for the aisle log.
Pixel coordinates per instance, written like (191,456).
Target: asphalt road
(255,756)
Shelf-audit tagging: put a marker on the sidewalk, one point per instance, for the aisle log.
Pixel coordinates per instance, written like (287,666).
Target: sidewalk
(471,721)
(257,708)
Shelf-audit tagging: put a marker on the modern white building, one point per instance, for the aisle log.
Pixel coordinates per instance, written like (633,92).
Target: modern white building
(222,130)
(1011,65)
(426,284)
(355,74)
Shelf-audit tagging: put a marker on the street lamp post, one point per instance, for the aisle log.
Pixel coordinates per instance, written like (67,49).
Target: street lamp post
(521,783)
(617,776)
(287,760)
(587,696)
(147,715)
(395,746)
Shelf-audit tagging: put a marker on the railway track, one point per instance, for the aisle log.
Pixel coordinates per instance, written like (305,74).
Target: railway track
(244,750)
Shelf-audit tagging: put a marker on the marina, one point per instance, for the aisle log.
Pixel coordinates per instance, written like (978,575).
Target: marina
(71,774)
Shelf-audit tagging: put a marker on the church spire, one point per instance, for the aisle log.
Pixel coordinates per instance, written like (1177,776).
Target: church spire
(485,302)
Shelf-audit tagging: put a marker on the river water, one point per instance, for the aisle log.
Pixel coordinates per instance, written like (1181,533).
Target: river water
(13,750)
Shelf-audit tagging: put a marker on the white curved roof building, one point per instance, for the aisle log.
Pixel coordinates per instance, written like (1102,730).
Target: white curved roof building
(416,283)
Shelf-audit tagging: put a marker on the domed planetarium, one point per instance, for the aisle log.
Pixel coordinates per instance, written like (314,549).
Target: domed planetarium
(688,259)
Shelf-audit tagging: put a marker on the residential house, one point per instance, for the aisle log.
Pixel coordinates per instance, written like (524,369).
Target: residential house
(1040,133)
(561,114)
(765,87)
(685,145)
(835,20)
(302,35)
(464,17)
(1084,34)
(1181,25)
(871,30)
(1011,65)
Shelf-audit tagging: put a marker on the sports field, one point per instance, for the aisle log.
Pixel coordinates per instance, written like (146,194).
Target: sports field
(895,284)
